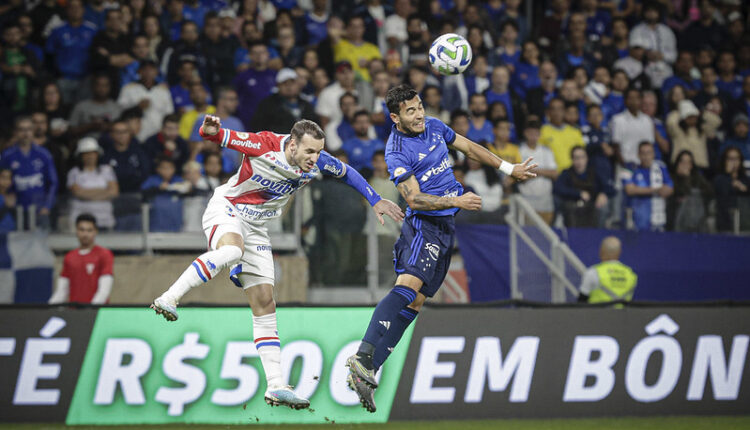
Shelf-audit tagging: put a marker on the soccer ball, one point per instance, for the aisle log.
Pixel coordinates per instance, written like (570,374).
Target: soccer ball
(450,54)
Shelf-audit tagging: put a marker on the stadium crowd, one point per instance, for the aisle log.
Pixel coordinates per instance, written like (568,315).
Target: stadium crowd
(637,112)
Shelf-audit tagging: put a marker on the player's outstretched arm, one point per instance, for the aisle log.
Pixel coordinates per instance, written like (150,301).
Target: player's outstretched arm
(417,200)
(481,154)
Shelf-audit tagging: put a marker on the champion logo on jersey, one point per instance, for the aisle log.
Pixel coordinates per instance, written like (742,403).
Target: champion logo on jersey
(386,324)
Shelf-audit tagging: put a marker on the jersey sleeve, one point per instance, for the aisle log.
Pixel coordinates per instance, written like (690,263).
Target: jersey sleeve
(448,134)
(330,165)
(65,272)
(251,144)
(398,166)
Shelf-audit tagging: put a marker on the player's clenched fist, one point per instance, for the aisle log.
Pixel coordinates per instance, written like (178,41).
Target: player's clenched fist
(469,201)
(211,124)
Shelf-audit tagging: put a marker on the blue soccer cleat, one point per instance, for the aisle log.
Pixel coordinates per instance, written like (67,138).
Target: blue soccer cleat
(165,308)
(285,396)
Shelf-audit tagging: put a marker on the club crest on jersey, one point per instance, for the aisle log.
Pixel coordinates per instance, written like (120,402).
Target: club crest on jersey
(243,135)
(90,268)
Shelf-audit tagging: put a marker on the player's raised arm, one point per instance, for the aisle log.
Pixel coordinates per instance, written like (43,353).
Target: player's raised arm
(252,144)
(417,200)
(330,165)
(481,154)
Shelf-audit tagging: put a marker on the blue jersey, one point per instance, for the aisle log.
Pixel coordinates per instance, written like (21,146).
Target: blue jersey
(70,48)
(649,213)
(360,151)
(34,175)
(424,156)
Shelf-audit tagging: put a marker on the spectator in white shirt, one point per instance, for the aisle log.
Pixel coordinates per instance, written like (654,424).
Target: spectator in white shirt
(92,185)
(154,99)
(631,127)
(660,39)
(538,191)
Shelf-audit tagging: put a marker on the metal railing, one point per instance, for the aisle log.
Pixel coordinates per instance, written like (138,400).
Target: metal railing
(556,258)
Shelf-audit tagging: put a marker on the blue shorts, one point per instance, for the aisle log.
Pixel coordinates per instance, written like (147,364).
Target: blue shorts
(424,249)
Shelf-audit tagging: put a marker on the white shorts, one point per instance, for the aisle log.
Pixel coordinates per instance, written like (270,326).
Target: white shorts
(256,265)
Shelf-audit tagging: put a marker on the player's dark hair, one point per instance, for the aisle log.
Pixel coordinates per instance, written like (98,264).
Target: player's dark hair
(86,217)
(397,95)
(305,126)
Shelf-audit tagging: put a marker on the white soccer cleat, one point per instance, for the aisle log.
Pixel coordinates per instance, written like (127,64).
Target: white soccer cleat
(165,308)
(285,396)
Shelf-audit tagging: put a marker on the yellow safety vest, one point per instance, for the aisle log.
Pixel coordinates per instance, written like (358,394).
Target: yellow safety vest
(616,282)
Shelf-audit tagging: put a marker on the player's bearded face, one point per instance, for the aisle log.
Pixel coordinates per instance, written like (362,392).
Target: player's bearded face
(411,116)
(305,152)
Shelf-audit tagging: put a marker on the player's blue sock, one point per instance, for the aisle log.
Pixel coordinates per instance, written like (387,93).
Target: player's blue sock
(384,316)
(393,336)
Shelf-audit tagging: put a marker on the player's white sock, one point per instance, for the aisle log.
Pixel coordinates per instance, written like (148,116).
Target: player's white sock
(269,347)
(205,267)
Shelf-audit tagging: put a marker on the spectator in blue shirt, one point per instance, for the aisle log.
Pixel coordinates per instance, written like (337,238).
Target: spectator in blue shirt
(729,82)
(194,10)
(682,76)
(598,21)
(68,45)
(7,201)
(172,18)
(648,189)
(361,147)
(163,191)
(499,91)
(315,21)
(526,75)
(480,128)
(614,102)
(255,83)
(34,175)
(598,141)
(96,13)
(124,154)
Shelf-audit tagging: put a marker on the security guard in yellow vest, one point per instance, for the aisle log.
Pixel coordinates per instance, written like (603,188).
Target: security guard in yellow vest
(609,280)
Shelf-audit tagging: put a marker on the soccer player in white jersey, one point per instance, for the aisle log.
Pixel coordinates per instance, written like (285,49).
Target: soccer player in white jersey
(274,166)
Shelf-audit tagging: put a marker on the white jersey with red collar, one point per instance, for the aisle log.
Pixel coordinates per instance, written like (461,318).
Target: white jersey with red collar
(265,180)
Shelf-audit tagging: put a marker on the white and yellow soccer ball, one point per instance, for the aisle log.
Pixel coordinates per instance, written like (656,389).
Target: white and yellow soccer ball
(450,54)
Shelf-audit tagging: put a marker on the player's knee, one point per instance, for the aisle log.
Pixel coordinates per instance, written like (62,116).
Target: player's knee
(418,302)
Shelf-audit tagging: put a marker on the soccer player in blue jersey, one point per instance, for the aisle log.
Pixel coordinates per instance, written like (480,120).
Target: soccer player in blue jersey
(417,158)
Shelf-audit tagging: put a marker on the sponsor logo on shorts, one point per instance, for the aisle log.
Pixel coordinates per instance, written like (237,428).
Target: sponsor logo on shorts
(433,249)
(247,211)
(263,248)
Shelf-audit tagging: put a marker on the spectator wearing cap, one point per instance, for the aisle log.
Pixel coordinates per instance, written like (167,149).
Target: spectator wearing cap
(632,65)
(631,127)
(659,39)
(354,49)
(328,108)
(110,48)
(68,45)
(739,137)
(226,106)
(94,116)
(538,191)
(279,111)
(690,130)
(150,96)
(254,84)
(92,186)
